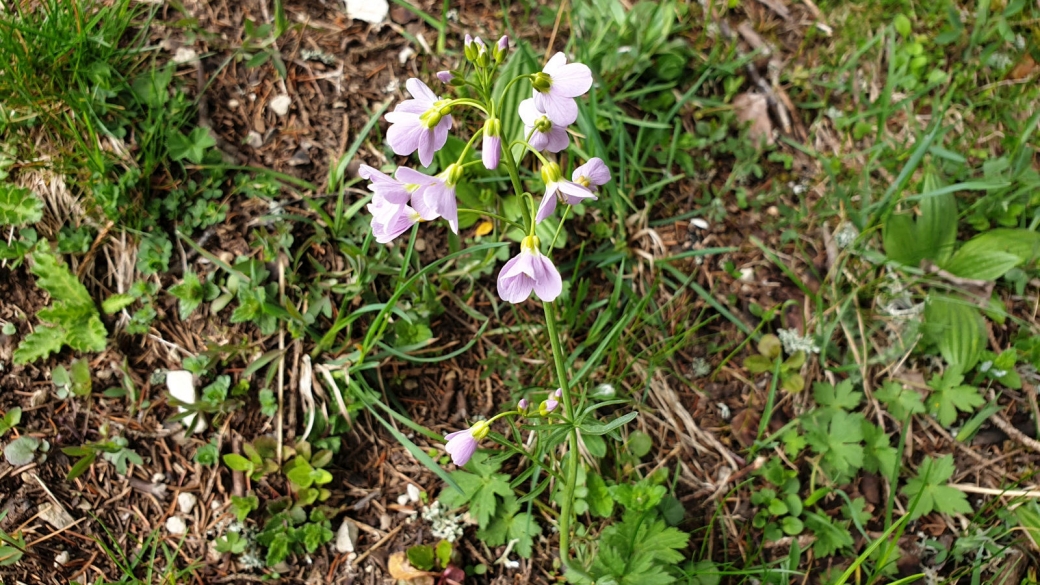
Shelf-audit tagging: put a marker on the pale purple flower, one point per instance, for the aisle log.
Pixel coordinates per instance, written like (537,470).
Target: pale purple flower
(558,393)
(390,220)
(572,192)
(462,445)
(592,175)
(385,187)
(419,124)
(545,135)
(523,404)
(529,271)
(556,86)
(503,43)
(436,197)
(491,148)
(445,76)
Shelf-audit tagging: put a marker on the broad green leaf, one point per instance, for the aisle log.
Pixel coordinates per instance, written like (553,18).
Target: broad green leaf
(931,235)
(19,206)
(39,344)
(842,396)
(929,486)
(21,451)
(958,330)
(902,402)
(978,263)
(949,396)
(600,502)
(237,462)
(1021,242)
(192,146)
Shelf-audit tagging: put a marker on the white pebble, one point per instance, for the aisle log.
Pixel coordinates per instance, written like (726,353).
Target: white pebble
(175,525)
(346,536)
(280,105)
(413,493)
(371,11)
(186,502)
(402,499)
(61,558)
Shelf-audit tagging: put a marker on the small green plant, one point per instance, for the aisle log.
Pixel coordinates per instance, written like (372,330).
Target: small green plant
(928,489)
(71,319)
(12,547)
(115,450)
(770,350)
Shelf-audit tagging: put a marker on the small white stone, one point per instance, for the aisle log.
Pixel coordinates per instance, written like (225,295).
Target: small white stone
(158,477)
(176,525)
(254,139)
(233,104)
(371,11)
(186,502)
(405,54)
(280,105)
(61,558)
(185,55)
(181,384)
(346,536)
(747,274)
(413,493)
(402,499)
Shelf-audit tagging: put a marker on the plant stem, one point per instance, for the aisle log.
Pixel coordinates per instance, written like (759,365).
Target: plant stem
(571,473)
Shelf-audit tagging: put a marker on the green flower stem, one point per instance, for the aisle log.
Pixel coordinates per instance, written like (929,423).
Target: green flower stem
(468,102)
(571,473)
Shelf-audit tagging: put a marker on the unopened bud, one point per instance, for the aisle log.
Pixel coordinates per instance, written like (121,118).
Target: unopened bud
(501,49)
(522,405)
(480,429)
(551,173)
(445,76)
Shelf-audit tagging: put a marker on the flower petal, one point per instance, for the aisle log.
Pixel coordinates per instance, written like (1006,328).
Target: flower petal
(563,111)
(420,91)
(521,264)
(425,147)
(411,176)
(408,107)
(490,151)
(403,137)
(547,282)
(423,205)
(595,170)
(558,140)
(553,65)
(529,112)
(514,286)
(538,140)
(548,203)
(574,193)
(571,80)
(461,446)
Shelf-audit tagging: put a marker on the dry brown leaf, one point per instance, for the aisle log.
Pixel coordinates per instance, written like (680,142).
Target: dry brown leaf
(401,569)
(1025,68)
(753,108)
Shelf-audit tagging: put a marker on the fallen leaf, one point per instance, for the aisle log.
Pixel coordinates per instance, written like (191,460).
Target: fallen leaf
(1025,68)
(753,108)
(401,569)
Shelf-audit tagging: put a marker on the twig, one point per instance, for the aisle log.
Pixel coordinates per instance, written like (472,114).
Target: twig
(1013,433)
(974,489)
(378,544)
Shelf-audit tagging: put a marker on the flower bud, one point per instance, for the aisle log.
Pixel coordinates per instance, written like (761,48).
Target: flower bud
(481,51)
(522,405)
(547,406)
(445,76)
(558,393)
(501,49)
(468,48)
(480,429)
(551,173)
(491,149)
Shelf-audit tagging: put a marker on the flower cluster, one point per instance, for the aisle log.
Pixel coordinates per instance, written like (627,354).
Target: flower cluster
(421,125)
(461,445)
